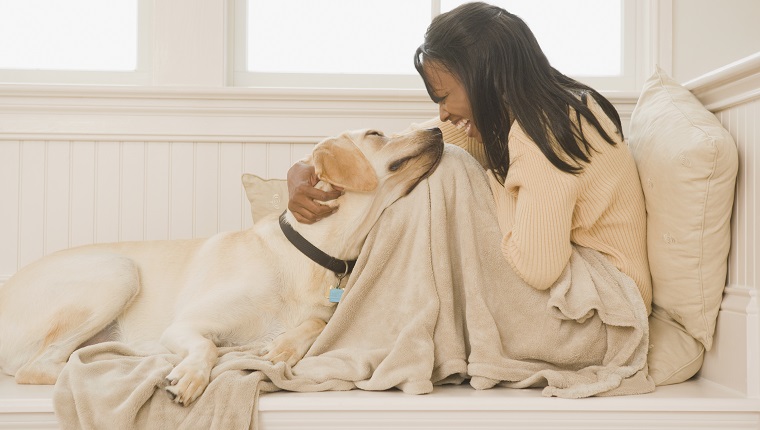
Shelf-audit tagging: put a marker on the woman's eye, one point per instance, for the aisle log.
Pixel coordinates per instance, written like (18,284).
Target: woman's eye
(374,133)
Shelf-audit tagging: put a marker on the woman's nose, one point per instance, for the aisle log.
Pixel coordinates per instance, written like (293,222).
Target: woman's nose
(443,113)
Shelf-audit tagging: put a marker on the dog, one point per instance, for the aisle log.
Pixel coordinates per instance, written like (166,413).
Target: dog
(195,295)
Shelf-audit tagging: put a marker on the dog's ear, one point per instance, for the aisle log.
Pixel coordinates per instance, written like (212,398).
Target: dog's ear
(340,162)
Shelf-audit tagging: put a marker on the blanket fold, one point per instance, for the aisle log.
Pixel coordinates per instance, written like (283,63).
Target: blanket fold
(431,301)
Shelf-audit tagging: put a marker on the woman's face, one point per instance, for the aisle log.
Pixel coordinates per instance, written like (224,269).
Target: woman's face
(449,93)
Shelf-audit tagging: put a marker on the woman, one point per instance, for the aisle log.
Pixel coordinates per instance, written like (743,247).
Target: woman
(561,173)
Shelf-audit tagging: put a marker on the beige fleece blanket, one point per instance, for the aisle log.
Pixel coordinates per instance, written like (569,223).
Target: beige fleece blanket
(431,301)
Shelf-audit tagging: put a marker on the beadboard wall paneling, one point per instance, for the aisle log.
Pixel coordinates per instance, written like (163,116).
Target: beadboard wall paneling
(84,164)
(59,194)
(741,122)
(733,94)
(738,328)
(10,175)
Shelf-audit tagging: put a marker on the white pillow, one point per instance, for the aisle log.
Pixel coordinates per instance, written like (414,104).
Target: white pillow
(687,163)
(266,196)
(674,356)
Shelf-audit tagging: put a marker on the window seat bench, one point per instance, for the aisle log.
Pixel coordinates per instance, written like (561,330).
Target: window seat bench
(695,404)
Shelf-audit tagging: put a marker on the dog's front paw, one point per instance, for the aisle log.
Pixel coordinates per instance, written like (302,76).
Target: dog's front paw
(283,351)
(291,346)
(186,383)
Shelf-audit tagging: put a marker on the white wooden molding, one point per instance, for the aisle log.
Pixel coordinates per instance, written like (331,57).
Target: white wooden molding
(251,115)
(733,360)
(202,114)
(656,43)
(696,404)
(734,84)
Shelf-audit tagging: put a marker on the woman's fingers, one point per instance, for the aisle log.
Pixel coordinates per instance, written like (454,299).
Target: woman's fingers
(305,203)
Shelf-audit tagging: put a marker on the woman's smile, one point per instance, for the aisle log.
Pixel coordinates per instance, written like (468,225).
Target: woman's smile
(465,124)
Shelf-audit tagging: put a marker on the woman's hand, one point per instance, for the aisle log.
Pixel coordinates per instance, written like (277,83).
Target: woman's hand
(302,196)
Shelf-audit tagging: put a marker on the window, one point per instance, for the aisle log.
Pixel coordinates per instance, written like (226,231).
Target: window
(344,43)
(331,42)
(72,41)
(581,38)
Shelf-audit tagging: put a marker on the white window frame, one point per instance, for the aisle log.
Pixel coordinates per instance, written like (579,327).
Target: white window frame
(638,55)
(140,76)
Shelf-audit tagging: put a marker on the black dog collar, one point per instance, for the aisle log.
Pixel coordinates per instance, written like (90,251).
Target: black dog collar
(340,267)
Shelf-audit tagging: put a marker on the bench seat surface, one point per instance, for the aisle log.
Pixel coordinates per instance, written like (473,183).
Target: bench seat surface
(695,404)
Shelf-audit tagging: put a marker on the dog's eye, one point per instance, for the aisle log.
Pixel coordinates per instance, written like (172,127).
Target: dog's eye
(398,164)
(374,133)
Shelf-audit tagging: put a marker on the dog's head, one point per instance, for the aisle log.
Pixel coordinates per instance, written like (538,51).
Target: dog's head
(368,160)
(374,170)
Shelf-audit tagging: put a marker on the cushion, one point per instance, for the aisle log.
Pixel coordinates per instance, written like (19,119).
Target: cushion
(674,356)
(266,196)
(687,163)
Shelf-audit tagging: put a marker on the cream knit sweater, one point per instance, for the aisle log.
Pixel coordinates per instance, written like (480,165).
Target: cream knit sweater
(542,210)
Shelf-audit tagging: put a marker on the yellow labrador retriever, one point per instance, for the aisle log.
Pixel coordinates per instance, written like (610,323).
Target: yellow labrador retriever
(231,289)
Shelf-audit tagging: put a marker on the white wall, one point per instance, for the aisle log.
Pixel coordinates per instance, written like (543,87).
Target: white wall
(92,153)
(708,34)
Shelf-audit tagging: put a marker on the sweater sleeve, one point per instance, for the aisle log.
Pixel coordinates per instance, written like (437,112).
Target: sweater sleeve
(505,203)
(538,246)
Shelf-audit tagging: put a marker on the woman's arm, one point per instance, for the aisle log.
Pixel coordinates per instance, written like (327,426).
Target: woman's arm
(538,246)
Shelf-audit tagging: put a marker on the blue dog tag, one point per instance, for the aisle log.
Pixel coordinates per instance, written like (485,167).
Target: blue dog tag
(335,294)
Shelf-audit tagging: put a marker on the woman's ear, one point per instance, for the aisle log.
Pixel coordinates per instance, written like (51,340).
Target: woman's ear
(339,162)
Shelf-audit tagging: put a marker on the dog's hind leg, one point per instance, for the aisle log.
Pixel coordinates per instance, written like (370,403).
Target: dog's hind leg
(66,332)
(57,305)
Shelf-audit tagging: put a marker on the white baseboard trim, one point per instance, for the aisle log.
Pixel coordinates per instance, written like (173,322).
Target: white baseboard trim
(695,404)
(733,360)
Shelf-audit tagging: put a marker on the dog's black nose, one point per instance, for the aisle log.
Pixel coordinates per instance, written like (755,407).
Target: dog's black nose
(436,131)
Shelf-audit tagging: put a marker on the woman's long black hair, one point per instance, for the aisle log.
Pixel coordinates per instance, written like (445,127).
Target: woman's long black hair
(507,77)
